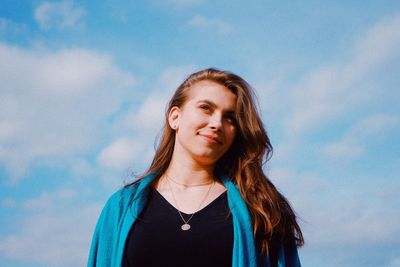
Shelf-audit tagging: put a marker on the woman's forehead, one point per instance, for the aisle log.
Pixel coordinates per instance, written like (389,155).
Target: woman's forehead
(211,91)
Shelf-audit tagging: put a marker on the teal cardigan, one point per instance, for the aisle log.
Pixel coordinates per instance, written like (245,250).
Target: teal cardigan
(124,206)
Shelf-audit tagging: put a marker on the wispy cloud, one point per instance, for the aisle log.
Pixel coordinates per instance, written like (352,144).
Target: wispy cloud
(8,203)
(335,218)
(53,103)
(120,154)
(211,24)
(143,122)
(184,3)
(52,217)
(151,113)
(179,3)
(58,15)
(394,263)
(328,92)
(356,139)
(9,26)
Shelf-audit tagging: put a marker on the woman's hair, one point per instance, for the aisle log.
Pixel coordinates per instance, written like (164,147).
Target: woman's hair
(273,218)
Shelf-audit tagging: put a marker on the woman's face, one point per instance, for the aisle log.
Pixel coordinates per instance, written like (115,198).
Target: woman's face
(205,124)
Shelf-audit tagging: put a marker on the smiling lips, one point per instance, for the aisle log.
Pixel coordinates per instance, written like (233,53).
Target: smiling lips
(211,138)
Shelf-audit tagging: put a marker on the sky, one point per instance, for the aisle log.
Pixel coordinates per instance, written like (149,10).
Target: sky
(84,86)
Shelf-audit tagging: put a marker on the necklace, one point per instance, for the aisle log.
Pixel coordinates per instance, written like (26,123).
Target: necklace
(188,185)
(186,226)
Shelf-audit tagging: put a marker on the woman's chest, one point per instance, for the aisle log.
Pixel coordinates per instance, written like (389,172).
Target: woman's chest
(157,239)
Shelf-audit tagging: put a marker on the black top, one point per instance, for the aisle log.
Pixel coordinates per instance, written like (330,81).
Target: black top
(156,238)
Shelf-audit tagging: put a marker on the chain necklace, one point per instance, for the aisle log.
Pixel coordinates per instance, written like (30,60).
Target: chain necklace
(186,226)
(188,185)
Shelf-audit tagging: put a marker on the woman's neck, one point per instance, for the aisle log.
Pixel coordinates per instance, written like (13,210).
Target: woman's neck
(189,173)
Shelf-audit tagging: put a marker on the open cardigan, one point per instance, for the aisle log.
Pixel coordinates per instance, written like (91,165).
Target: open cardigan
(124,207)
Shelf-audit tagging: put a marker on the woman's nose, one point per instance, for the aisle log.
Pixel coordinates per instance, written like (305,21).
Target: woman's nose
(216,121)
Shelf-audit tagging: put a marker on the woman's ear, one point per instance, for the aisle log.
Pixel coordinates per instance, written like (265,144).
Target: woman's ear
(173,117)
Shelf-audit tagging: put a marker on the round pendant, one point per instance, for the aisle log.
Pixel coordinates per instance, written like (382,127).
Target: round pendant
(185,227)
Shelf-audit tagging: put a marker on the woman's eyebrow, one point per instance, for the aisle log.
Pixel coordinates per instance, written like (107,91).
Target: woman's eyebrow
(207,102)
(212,104)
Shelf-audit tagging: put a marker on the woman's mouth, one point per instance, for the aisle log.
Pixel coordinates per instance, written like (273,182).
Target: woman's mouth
(211,138)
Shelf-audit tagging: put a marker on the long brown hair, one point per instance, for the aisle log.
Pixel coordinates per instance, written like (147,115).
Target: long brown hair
(273,218)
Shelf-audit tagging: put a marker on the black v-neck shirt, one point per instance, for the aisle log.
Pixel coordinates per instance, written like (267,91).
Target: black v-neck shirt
(156,238)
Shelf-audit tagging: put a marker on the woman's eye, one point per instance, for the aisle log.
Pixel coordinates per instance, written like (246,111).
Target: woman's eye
(231,120)
(205,107)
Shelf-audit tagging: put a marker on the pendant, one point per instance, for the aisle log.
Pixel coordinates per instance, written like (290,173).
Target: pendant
(185,227)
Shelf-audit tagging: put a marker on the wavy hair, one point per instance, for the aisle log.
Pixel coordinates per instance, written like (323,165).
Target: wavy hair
(273,218)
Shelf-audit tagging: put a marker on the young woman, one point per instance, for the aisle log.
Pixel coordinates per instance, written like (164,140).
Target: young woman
(205,200)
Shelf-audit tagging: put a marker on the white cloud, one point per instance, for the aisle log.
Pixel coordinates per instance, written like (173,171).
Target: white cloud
(179,3)
(53,229)
(82,168)
(359,135)
(9,26)
(49,200)
(7,129)
(394,263)
(58,15)
(340,215)
(378,44)
(171,77)
(335,215)
(3,24)
(151,115)
(375,125)
(120,154)
(329,92)
(346,148)
(55,104)
(143,122)
(8,203)
(184,3)
(213,24)
(350,220)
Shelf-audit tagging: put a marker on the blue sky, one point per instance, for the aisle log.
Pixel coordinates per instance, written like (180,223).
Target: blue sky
(83,87)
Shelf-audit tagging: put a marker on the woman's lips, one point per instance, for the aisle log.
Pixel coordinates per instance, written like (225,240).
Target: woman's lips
(211,138)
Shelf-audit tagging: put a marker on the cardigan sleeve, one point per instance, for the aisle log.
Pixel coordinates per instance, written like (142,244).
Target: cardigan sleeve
(105,235)
(288,255)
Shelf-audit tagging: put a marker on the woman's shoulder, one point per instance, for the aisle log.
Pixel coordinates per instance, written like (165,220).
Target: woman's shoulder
(120,199)
(124,195)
